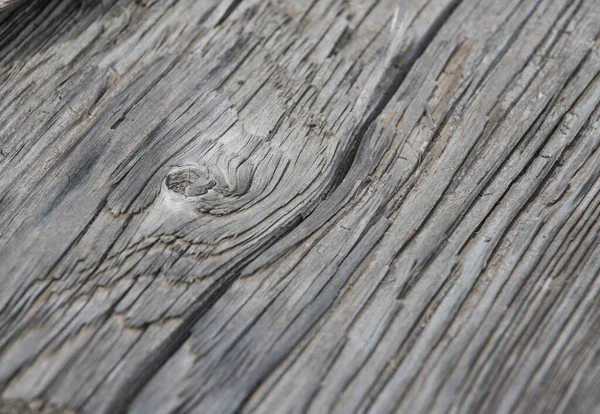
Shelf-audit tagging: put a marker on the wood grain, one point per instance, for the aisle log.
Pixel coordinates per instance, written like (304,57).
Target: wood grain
(7,3)
(300,206)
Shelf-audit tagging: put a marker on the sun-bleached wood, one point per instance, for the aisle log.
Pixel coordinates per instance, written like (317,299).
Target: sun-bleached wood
(300,206)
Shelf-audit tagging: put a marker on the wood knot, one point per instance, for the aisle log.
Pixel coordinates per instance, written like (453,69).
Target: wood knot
(190,181)
(216,189)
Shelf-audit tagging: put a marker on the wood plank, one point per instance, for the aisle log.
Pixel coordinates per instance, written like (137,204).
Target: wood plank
(314,206)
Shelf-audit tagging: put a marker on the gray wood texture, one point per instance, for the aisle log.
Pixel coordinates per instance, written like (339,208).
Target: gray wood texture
(6,3)
(300,206)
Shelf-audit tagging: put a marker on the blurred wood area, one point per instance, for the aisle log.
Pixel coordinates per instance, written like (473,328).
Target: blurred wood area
(300,206)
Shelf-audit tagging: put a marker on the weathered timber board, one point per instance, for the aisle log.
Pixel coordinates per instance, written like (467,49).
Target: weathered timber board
(300,206)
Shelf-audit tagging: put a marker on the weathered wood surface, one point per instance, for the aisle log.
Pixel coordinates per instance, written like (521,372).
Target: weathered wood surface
(300,206)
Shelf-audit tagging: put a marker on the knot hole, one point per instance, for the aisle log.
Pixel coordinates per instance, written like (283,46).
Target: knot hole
(190,181)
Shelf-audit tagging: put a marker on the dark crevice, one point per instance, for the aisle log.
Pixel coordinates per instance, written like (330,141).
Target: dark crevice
(232,6)
(387,88)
